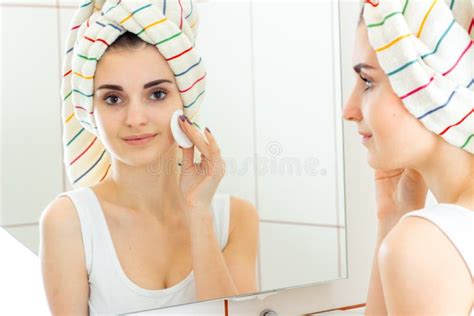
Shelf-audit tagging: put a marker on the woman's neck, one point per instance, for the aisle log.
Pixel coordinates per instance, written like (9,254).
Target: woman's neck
(449,174)
(151,189)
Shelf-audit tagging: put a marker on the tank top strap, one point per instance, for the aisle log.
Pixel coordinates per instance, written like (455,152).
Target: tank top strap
(457,223)
(84,207)
(221,215)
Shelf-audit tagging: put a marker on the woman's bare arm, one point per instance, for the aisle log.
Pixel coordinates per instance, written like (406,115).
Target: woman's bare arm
(62,259)
(241,251)
(232,272)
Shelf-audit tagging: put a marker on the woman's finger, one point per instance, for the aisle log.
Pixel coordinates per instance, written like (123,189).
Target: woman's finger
(214,150)
(188,158)
(216,161)
(195,136)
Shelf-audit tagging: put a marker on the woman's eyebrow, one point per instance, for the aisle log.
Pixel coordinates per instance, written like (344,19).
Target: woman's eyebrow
(147,85)
(155,82)
(357,68)
(110,86)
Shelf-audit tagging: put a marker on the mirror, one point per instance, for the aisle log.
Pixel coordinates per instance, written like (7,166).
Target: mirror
(273,101)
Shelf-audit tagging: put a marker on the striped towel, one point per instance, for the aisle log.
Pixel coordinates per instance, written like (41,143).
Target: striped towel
(169,25)
(425,48)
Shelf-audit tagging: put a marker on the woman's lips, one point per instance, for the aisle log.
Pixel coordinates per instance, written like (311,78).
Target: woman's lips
(140,141)
(139,136)
(365,137)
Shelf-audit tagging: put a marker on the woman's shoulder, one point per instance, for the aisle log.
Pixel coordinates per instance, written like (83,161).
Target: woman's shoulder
(416,255)
(60,214)
(411,234)
(428,233)
(242,213)
(60,230)
(242,207)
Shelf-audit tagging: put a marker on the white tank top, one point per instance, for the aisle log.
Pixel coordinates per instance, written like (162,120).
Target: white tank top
(111,291)
(457,223)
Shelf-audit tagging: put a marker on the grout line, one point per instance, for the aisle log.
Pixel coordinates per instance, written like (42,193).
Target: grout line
(36,5)
(269,221)
(19,225)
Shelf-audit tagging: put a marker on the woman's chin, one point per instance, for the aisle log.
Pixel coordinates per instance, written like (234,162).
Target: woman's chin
(381,163)
(375,161)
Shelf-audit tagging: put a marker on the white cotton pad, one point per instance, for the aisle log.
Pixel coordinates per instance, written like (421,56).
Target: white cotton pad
(178,134)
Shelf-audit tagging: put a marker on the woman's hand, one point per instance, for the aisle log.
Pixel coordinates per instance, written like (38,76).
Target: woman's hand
(397,192)
(199,182)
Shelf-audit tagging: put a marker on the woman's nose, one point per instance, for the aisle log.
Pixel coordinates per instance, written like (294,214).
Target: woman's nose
(351,110)
(136,114)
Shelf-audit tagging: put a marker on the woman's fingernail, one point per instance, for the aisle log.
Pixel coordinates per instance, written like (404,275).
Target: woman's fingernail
(180,147)
(188,120)
(181,117)
(207,129)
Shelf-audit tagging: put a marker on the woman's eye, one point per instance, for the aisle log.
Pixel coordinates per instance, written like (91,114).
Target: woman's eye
(368,83)
(111,99)
(159,95)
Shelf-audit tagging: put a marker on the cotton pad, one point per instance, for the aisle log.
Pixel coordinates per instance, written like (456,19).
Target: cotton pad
(178,134)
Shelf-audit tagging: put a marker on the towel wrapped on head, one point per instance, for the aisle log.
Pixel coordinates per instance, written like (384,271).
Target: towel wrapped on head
(168,25)
(425,48)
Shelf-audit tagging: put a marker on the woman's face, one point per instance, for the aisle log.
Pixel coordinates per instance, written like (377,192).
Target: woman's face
(135,93)
(394,138)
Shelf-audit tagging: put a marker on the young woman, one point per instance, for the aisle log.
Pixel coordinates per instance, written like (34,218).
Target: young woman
(424,261)
(149,234)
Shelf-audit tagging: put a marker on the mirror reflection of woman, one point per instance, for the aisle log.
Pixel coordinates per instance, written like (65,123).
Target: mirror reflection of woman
(148,230)
(424,262)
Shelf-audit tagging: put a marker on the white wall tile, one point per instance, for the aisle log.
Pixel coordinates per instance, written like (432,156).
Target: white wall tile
(294,255)
(31,138)
(28,235)
(69,3)
(65,16)
(295,114)
(224,42)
